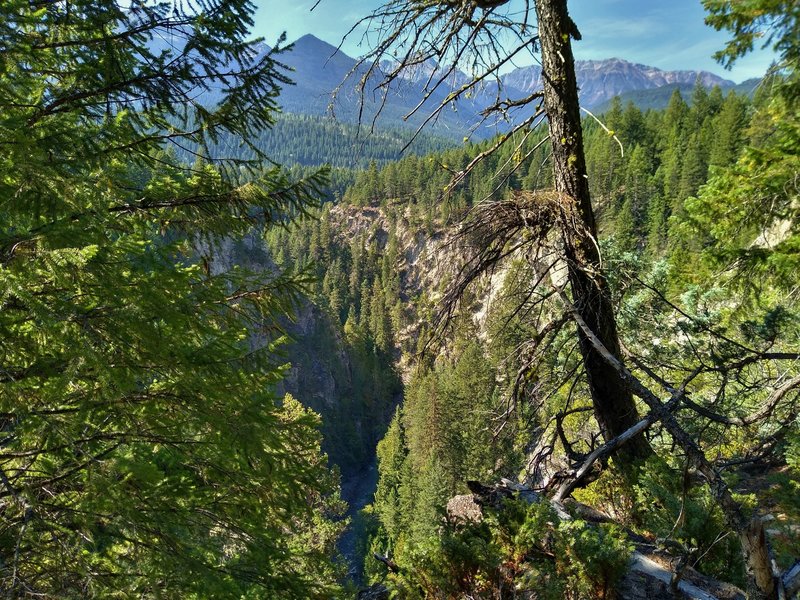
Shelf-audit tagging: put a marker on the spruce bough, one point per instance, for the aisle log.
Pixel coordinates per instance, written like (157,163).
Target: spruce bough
(143,452)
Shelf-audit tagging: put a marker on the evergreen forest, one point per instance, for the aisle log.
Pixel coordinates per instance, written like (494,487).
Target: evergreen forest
(247,353)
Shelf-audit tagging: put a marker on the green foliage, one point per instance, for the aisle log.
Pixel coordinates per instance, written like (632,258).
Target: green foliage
(344,341)
(312,141)
(749,212)
(676,510)
(667,503)
(772,23)
(392,452)
(783,495)
(519,548)
(145,452)
(420,183)
(611,493)
(591,560)
(793,452)
(434,444)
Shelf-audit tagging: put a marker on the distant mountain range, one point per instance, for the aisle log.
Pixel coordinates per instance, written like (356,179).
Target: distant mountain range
(601,80)
(318,68)
(658,98)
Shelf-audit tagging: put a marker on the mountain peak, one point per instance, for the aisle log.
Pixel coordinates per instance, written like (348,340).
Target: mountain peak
(318,68)
(310,42)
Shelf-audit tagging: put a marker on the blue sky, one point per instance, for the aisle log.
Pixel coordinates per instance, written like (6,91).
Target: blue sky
(664,34)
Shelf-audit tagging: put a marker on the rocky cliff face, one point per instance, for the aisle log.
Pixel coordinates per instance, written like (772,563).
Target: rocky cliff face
(601,80)
(427,262)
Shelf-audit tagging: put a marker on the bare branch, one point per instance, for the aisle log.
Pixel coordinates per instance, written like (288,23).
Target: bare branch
(602,452)
(459,34)
(755,547)
(769,407)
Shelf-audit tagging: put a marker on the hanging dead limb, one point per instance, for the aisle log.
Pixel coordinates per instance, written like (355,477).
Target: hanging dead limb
(390,564)
(532,347)
(766,410)
(501,141)
(562,436)
(578,477)
(495,231)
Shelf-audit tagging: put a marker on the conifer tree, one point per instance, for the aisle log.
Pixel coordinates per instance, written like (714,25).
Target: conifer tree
(144,452)
(638,192)
(365,316)
(728,127)
(693,171)
(391,452)
(700,105)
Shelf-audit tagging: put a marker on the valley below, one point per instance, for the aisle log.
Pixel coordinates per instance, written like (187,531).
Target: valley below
(458,318)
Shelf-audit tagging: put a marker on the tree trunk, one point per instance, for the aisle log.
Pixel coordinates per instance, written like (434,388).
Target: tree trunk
(614,407)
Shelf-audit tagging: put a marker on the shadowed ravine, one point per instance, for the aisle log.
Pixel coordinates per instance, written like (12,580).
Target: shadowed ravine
(357,491)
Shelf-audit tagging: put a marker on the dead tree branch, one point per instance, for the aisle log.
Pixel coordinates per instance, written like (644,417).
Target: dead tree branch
(757,554)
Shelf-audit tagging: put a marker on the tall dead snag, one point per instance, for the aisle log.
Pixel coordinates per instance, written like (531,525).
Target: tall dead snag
(452,31)
(612,399)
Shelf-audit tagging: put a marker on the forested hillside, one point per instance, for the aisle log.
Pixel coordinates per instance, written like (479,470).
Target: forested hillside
(570,353)
(475,407)
(312,141)
(701,293)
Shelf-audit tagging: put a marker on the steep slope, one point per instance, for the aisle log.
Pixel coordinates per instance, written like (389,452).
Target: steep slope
(317,69)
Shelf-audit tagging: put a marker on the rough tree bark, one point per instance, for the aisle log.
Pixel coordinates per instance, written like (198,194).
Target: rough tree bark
(614,407)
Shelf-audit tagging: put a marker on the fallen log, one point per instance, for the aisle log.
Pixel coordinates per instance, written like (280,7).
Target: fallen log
(390,564)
